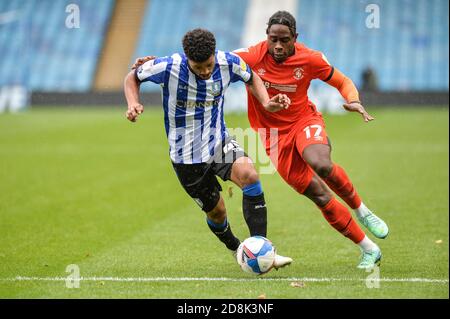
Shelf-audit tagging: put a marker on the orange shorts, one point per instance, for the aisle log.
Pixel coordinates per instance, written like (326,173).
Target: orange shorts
(289,162)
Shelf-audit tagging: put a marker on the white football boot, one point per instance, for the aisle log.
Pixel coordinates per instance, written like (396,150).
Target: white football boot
(281,261)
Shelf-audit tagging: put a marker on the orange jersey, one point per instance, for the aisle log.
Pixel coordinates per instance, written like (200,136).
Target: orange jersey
(291,77)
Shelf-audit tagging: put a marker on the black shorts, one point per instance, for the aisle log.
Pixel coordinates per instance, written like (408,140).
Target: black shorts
(199,180)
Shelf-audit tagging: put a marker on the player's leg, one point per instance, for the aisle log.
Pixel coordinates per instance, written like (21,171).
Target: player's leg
(236,166)
(232,163)
(200,183)
(339,217)
(317,153)
(297,173)
(244,175)
(318,156)
(218,223)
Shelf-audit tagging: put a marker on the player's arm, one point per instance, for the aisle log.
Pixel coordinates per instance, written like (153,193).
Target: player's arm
(152,69)
(139,61)
(349,92)
(241,71)
(131,89)
(259,91)
(321,69)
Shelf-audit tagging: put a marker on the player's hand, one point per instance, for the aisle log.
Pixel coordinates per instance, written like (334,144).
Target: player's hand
(134,111)
(142,60)
(357,107)
(277,103)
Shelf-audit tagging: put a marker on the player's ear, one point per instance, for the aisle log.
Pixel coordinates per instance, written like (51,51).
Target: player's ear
(296,36)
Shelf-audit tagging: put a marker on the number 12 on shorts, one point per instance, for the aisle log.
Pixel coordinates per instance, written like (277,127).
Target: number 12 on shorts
(307,130)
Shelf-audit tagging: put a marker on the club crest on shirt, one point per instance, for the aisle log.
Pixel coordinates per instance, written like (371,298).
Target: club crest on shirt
(215,88)
(298,73)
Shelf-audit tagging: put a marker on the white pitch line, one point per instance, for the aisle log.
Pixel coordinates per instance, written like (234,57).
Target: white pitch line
(163,279)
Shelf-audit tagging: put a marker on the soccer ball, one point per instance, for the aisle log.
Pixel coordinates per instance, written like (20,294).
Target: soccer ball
(256,255)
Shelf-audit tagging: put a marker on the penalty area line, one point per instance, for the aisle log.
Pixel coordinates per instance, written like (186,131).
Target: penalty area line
(224,279)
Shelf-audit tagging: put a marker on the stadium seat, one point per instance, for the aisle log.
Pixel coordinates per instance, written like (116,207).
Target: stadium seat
(408,52)
(161,34)
(52,56)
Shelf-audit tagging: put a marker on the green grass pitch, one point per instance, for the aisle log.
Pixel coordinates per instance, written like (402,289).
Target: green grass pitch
(86,187)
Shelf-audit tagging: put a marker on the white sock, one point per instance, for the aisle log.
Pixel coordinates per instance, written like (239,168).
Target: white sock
(362,211)
(367,245)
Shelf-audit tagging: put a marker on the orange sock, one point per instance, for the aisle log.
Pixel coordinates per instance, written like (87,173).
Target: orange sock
(339,182)
(339,217)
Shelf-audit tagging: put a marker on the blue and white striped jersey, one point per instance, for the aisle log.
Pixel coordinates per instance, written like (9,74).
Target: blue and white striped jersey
(193,108)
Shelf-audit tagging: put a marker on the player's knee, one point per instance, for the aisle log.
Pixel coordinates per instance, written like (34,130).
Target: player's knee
(249,177)
(318,192)
(322,199)
(322,167)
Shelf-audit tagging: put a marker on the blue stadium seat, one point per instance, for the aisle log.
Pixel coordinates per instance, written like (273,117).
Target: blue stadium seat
(166,21)
(58,58)
(408,52)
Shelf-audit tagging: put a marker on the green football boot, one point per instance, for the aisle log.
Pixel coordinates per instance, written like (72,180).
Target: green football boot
(375,225)
(370,258)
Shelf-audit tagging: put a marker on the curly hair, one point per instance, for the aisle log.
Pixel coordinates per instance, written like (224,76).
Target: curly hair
(199,45)
(284,18)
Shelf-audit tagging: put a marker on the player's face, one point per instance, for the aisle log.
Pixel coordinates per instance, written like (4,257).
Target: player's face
(281,42)
(203,69)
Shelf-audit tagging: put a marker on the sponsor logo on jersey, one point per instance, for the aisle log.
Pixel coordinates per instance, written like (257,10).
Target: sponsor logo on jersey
(192,104)
(281,87)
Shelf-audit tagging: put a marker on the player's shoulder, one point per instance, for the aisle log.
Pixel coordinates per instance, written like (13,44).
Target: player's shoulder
(254,54)
(304,50)
(307,51)
(176,58)
(227,57)
(312,55)
(162,61)
(259,49)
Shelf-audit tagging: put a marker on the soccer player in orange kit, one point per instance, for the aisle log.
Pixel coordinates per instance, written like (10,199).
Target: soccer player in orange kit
(304,151)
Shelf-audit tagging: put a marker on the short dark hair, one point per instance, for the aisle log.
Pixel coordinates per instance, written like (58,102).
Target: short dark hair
(284,18)
(199,45)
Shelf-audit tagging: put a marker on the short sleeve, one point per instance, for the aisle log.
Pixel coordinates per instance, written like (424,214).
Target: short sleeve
(239,70)
(252,55)
(153,70)
(320,67)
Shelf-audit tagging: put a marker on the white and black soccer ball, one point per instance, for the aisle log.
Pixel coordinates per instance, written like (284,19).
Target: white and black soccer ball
(256,255)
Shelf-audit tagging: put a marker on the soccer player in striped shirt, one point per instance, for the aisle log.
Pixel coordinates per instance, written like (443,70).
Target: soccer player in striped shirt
(193,86)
